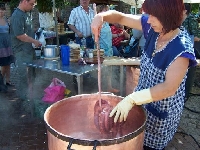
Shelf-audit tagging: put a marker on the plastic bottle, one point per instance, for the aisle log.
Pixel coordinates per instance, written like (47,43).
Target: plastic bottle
(131,41)
(83,47)
(83,43)
(65,54)
(90,53)
(71,41)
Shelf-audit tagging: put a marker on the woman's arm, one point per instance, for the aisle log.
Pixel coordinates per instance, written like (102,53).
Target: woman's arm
(132,21)
(174,77)
(112,16)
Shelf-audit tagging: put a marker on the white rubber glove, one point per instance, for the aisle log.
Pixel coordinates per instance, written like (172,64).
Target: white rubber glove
(136,98)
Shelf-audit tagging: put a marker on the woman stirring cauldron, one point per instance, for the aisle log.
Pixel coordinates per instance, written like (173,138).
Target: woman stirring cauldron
(165,61)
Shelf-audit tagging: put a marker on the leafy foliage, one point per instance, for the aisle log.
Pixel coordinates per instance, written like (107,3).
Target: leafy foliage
(195,8)
(13,4)
(45,5)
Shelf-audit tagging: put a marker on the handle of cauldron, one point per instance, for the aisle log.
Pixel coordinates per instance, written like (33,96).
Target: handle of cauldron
(70,144)
(95,145)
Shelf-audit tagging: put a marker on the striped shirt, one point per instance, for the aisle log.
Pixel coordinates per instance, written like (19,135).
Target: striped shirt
(81,20)
(116,40)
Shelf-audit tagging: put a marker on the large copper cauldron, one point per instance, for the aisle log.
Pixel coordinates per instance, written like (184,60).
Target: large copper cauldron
(70,125)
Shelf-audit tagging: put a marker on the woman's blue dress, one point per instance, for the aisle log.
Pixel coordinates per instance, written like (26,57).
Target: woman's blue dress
(162,116)
(6,53)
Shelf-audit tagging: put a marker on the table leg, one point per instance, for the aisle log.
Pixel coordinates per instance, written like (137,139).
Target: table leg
(31,78)
(80,84)
(132,77)
(121,80)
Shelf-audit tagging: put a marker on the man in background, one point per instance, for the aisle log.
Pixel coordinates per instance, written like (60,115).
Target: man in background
(191,25)
(22,40)
(80,21)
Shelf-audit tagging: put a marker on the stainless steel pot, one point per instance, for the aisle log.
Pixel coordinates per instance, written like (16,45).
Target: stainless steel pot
(70,125)
(51,51)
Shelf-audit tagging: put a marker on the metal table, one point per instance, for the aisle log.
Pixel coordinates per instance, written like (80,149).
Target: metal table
(56,66)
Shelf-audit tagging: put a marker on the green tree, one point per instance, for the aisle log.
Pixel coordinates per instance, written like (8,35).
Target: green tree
(45,5)
(195,8)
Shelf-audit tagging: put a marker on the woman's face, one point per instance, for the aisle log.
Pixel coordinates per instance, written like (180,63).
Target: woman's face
(155,24)
(2,12)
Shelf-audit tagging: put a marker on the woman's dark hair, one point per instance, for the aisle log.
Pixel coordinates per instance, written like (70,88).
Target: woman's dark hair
(2,6)
(168,12)
(188,8)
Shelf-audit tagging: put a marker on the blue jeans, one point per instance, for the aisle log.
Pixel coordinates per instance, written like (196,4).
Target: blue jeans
(89,42)
(117,51)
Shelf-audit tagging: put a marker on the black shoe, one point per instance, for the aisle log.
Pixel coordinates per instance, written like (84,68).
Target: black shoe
(9,84)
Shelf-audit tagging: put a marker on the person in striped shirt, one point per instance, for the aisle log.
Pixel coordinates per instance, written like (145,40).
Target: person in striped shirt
(80,20)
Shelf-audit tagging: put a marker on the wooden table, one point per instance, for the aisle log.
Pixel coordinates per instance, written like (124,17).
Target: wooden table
(132,65)
(127,61)
(74,69)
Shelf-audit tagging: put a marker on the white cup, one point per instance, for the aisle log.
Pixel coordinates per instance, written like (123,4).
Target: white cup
(38,53)
(81,53)
(90,54)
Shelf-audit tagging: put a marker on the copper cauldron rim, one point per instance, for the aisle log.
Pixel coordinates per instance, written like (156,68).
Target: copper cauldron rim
(88,142)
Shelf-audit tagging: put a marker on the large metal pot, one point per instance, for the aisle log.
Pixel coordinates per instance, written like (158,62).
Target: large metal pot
(51,51)
(70,125)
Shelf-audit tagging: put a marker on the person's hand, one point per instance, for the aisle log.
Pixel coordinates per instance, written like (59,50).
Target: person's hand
(80,35)
(126,34)
(37,43)
(96,25)
(123,107)
(122,33)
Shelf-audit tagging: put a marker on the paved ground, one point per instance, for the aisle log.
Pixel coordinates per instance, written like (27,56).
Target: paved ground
(18,131)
